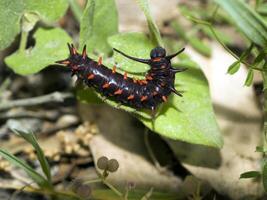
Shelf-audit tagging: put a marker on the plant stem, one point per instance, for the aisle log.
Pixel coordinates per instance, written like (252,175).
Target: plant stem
(76,9)
(23,41)
(264,76)
(98,180)
(112,188)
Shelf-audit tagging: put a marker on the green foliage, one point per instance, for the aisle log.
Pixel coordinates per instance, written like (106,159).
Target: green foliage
(99,21)
(247,20)
(11,13)
(30,138)
(50,47)
(37,178)
(192,39)
(43,183)
(190,118)
(233,68)
(249,79)
(154,31)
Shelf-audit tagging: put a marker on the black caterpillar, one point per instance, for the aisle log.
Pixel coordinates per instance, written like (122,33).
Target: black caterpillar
(147,93)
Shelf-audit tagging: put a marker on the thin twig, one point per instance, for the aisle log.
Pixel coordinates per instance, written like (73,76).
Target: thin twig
(53,97)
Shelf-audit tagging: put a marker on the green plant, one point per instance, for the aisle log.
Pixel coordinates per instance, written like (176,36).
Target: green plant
(254,27)
(189,119)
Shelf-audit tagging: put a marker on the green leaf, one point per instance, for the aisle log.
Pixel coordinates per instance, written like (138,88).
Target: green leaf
(48,10)
(37,178)
(50,47)
(29,137)
(99,21)
(12,11)
(250,174)
(259,60)
(249,78)
(154,31)
(247,20)
(234,67)
(190,118)
(134,44)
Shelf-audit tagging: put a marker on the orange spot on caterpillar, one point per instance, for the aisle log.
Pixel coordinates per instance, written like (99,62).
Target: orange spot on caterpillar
(155,93)
(142,82)
(65,62)
(84,52)
(134,80)
(106,85)
(125,76)
(150,78)
(99,61)
(114,69)
(73,50)
(90,76)
(130,97)
(156,59)
(164,98)
(119,91)
(143,98)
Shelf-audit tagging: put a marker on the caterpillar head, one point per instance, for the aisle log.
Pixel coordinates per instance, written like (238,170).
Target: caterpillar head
(157,52)
(75,61)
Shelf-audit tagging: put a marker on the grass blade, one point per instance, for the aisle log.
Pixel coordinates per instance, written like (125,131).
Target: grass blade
(37,178)
(29,137)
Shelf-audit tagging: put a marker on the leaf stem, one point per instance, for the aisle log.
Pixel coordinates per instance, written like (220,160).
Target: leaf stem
(23,41)
(112,188)
(76,9)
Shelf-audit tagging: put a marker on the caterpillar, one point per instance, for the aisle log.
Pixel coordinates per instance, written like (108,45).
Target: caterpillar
(147,93)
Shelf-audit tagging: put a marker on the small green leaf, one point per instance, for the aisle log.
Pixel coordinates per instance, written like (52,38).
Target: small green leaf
(234,67)
(50,47)
(37,178)
(99,21)
(29,137)
(12,11)
(154,31)
(259,60)
(250,174)
(249,78)
(247,20)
